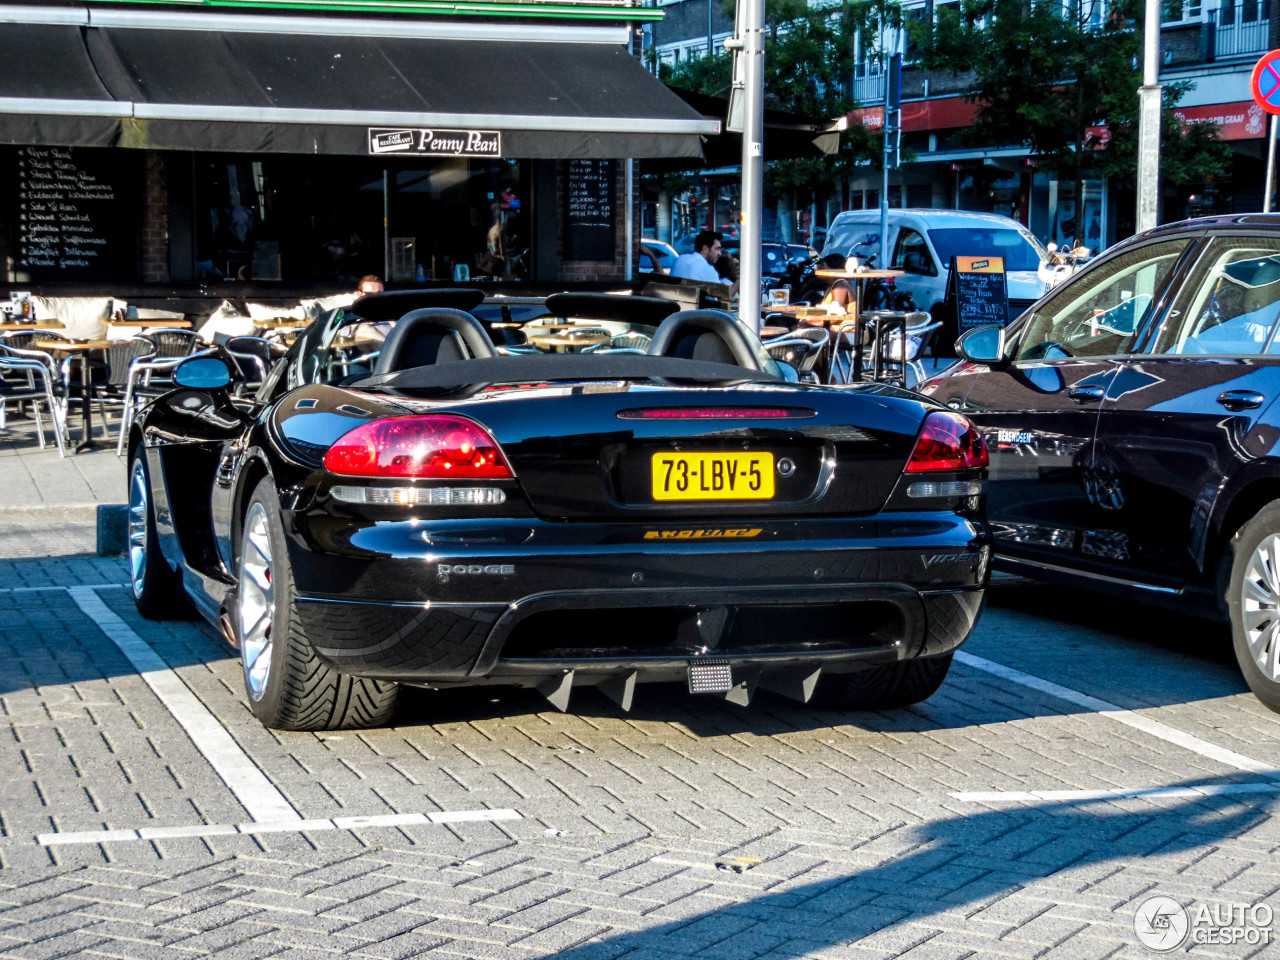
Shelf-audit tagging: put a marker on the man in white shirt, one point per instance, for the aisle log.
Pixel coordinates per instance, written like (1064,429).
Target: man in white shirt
(700,265)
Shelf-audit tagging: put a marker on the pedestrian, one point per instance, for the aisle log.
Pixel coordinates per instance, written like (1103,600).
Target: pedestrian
(700,265)
(370,283)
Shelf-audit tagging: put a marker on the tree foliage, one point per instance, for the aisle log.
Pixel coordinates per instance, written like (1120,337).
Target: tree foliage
(1050,76)
(808,62)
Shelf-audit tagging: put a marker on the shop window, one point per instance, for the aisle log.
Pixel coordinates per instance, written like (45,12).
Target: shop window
(320,219)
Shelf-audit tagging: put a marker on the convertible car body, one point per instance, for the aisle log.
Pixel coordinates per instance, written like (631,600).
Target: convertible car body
(400,502)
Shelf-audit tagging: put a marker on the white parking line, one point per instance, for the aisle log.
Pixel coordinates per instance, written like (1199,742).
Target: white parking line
(1110,710)
(256,793)
(89,586)
(294,825)
(1074,796)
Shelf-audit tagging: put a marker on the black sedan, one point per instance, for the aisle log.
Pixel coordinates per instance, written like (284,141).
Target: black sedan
(402,502)
(1133,426)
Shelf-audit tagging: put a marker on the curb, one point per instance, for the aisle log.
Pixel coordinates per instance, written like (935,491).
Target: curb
(111,519)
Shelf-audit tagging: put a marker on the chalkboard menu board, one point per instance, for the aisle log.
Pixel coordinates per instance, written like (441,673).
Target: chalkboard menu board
(589,217)
(75,215)
(981,297)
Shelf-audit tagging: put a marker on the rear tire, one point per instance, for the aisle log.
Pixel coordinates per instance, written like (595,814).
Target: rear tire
(885,687)
(1253,603)
(288,685)
(157,590)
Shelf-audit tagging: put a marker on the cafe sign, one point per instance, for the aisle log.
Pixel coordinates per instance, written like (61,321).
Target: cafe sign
(435,143)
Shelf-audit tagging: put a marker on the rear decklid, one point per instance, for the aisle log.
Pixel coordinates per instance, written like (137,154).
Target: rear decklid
(626,450)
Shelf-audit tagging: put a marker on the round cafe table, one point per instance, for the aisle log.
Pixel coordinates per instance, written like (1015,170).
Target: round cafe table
(43,325)
(68,348)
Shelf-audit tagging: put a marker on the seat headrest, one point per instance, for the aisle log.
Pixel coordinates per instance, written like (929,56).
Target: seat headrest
(433,335)
(709,335)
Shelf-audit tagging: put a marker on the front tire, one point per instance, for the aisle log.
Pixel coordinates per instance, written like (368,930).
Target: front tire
(1253,603)
(885,687)
(288,685)
(157,591)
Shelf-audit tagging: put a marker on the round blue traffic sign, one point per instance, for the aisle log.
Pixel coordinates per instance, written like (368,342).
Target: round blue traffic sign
(1265,82)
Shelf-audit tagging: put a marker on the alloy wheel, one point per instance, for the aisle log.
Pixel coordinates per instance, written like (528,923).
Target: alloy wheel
(138,521)
(256,602)
(1260,606)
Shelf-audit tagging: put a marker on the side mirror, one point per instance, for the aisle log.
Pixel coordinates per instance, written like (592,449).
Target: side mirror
(202,373)
(982,345)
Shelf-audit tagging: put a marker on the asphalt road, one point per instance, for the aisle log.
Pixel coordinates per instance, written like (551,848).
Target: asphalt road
(1083,756)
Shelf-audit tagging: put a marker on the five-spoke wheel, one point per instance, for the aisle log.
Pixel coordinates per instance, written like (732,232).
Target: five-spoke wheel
(256,601)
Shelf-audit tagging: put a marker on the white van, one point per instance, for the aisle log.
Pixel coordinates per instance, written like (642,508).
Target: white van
(924,241)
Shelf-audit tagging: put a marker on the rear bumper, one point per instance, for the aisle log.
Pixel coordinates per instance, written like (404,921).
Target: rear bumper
(515,601)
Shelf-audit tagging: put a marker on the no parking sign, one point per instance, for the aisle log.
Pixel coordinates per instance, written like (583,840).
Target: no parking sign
(1264,84)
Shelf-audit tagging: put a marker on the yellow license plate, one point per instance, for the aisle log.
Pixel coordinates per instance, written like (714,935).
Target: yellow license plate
(713,476)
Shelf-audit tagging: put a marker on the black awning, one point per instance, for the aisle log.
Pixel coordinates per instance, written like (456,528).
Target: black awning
(787,136)
(247,91)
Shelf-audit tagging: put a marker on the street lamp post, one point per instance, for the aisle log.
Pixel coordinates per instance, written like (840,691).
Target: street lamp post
(749,46)
(1149,122)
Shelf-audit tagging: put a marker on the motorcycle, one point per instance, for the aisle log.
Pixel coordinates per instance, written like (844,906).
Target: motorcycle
(1062,263)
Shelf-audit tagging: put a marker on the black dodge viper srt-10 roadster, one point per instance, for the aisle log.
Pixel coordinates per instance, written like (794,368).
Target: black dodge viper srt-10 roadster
(414,496)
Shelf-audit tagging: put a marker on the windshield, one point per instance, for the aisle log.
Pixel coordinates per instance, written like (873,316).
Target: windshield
(1021,251)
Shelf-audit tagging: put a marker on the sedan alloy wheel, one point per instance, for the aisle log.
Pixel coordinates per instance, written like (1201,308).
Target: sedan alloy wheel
(1260,607)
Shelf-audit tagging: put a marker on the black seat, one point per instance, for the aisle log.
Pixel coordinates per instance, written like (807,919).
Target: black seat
(433,335)
(709,335)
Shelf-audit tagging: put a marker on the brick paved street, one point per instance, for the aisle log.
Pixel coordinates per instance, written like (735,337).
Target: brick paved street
(689,827)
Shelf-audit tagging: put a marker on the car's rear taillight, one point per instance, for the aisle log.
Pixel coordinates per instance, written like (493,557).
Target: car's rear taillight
(434,446)
(947,441)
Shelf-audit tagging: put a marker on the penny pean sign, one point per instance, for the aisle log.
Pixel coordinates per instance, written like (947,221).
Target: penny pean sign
(435,143)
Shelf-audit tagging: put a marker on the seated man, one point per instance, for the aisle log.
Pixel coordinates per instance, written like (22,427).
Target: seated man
(700,265)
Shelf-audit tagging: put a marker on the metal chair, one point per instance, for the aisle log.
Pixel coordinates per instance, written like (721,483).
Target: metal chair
(148,376)
(175,343)
(800,352)
(631,341)
(903,351)
(254,357)
(29,376)
(23,339)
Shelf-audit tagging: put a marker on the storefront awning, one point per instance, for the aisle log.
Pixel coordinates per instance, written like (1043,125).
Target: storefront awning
(787,136)
(140,83)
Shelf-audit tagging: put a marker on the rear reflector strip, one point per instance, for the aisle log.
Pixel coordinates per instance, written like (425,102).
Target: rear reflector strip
(718,413)
(948,488)
(420,496)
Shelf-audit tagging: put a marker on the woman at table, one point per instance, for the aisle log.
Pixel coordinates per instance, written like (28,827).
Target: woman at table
(841,292)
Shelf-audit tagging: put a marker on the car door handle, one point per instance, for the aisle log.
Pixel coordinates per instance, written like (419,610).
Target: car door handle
(1086,393)
(1241,399)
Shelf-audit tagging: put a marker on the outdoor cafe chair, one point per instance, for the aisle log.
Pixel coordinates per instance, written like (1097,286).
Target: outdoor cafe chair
(150,375)
(253,356)
(31,376)
(108,376)
(801,353)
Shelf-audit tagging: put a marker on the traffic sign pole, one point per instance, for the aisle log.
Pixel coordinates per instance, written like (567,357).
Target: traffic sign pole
(1264,84)
(1271,165)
